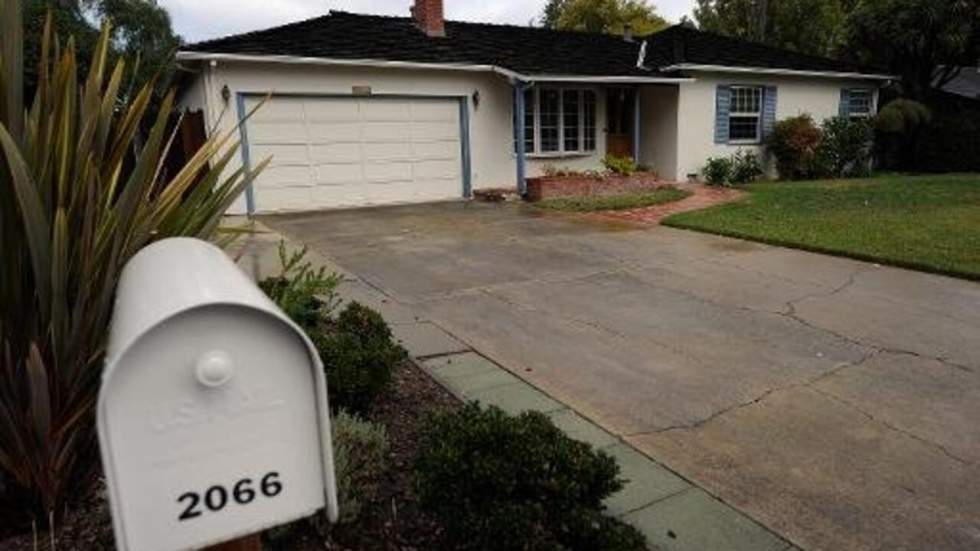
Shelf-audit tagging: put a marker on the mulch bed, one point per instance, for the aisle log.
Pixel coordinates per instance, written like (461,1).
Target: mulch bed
(391,521)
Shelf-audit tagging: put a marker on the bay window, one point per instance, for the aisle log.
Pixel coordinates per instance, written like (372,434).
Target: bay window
(559,121)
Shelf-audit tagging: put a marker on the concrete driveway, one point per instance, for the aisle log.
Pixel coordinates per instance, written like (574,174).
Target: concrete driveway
(836,402)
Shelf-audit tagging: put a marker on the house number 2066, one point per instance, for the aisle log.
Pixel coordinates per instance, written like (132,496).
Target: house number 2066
(217,497)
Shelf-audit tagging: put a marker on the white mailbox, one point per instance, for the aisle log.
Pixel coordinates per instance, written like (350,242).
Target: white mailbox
(212,415)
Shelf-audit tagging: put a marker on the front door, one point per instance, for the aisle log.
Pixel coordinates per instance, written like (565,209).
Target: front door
(619,122)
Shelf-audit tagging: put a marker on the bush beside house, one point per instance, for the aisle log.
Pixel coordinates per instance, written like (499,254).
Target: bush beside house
(840,148)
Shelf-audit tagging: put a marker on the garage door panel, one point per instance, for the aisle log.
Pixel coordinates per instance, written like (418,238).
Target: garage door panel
(337,174)
(389,151)
(335,133)
(278,110)
(385,110)
(388,172)
(332,112)
(276,176)
(323,154)
(386,131)
(435,169)
(434,111)
(282,154)
(277,132)
(346,152)
(435,150)
(435,131)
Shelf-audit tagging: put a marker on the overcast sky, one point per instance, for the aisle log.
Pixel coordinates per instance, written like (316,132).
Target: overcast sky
(201,19)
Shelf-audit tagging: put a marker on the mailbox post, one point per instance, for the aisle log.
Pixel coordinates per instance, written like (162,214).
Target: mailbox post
(212,416)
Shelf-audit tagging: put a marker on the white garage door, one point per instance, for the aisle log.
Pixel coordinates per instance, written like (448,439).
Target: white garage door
(332,152)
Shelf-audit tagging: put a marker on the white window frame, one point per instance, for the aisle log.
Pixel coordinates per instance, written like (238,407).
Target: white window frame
(535,106)
(851,114)
(757,114)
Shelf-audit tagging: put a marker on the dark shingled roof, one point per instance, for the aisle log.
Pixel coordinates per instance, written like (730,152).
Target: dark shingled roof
(525,50)
(680,44)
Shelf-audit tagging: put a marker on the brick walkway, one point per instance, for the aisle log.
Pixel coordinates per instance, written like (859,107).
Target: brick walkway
(704,196)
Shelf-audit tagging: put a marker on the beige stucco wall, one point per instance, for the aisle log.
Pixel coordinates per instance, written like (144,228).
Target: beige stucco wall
(677,134)
(658,129)
(491,143)
(820,97)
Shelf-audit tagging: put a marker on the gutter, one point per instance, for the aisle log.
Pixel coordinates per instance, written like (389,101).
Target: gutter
(513,76)
(295,60)
(771,71)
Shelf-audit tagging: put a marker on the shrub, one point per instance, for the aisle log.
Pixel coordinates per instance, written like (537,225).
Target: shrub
(516,482)
(717,171)
(745,167)
(845,150)
(795,142)
(306,295)
(359,451)
(624,166)
(359,356)
(82,192)
(741,168)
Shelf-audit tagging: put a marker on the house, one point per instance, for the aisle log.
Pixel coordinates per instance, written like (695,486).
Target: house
(369,110)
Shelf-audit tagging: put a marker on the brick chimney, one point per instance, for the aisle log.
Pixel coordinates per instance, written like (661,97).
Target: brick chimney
(428,16)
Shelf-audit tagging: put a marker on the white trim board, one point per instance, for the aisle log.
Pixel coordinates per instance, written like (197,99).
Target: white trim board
(295,60)
(773,71)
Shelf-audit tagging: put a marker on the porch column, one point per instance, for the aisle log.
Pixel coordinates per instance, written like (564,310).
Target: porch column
(636,125)
(519,111)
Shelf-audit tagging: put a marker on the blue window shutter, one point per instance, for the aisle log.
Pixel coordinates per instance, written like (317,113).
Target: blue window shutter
(723,103)
(845,102)
(769,100)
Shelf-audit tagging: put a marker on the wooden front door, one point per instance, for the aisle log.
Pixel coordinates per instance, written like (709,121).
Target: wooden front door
(619,122)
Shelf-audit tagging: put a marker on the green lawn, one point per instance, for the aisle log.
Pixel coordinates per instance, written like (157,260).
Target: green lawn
(929,223)
(614,202)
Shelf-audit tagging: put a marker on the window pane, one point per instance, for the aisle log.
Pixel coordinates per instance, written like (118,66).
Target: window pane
(860,102)
(746,99)
(550,111)
(588,99)
(743,128)
(569,106)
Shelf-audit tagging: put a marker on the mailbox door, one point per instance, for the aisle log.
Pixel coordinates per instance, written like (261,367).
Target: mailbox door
(195,461)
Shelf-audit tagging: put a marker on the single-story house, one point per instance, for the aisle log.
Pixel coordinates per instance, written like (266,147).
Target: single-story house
(369,110)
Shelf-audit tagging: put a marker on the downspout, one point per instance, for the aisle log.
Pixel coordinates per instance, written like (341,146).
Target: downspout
(519,114)
(636,125)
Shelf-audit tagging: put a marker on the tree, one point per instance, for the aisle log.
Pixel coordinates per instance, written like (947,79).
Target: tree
(602,16)
(141,31)
(142,34)
(808,26)
(552,10)
(926,42)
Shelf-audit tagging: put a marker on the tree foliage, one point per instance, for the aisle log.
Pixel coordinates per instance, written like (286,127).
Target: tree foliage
(602,16)
(926,42)
(808,26)
(141,33)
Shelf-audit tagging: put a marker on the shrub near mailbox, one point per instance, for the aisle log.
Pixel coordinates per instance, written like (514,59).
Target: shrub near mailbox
(212,416)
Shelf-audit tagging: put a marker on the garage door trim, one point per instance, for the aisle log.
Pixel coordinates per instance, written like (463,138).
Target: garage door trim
(464,130)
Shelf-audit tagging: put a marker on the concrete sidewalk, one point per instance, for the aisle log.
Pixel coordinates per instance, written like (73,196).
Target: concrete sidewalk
(673,513)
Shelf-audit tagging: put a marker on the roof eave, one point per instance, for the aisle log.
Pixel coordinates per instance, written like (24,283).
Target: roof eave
(774,71)
(185,55)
